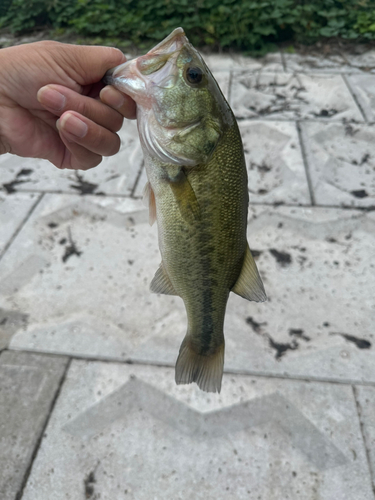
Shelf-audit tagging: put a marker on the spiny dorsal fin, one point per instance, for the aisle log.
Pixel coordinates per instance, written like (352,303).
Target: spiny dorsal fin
(161,282)
(149,198)
(249,284)
(185,197)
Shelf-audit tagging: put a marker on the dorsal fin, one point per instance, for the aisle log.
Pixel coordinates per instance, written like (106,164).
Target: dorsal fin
(149,198)
(249,284)
(161,282)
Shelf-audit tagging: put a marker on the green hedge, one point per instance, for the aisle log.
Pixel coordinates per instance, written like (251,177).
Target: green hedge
(242,24)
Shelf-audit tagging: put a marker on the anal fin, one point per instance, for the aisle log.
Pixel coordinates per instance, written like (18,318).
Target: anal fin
(161,282)
(249,284)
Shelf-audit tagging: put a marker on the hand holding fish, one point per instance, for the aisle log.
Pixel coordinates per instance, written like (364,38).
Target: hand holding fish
(43,81)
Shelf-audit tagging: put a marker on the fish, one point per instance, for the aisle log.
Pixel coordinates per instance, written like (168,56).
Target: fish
(197,192)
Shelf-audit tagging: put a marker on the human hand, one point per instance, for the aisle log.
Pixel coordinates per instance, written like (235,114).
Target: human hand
(42,81)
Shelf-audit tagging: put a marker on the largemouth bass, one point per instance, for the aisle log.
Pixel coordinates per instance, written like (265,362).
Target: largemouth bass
(197,192)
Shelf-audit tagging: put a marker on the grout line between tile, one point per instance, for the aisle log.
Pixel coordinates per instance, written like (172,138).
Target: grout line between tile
(283,61)
(230,87)
(352,93)
(305,163)
(19,494)
(247,373)
(23,222)
(362,428)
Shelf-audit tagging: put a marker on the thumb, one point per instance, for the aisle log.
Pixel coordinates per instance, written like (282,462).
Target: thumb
(90,63)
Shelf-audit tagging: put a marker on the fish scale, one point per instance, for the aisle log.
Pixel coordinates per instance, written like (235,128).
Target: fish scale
(198,192)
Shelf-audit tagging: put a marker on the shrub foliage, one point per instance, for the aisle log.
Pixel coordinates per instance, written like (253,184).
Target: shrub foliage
(250,25)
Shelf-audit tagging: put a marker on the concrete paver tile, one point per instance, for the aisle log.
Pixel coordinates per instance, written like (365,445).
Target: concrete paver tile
(363,87)
(315,263)
(13,210)
(29,383)
(316,63)
(121,431)
(362,62)
(274,162)
(115,175)
(341,163)
(78,252)
(366,401)
(270,62)
(292,96)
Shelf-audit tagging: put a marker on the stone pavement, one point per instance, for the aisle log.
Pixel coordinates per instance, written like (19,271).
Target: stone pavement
(88,404)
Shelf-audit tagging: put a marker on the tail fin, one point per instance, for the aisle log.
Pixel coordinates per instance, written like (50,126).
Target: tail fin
(206,371)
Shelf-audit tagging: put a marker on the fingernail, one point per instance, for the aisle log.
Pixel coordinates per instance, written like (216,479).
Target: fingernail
(73,125)
(50,98)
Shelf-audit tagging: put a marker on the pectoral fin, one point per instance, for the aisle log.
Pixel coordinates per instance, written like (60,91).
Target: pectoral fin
(149,198)
(161,282)
(185,197)
(249,284)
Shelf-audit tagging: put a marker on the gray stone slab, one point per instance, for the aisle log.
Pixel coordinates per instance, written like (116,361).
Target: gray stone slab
(364,61)
(28,385)
(292,96)
(115,175)
(366,403)
(341,162)
(13,210)
(77,252)
(270,62)
(274,162)
(121,431)
(316,265)
(363,87)
(316,62)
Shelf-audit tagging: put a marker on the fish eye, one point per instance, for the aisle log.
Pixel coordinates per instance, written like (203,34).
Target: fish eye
(194,75)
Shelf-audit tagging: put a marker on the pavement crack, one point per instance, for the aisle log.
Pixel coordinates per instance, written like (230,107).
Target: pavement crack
(363,434)
(20,492)
(305,163)
(23,222)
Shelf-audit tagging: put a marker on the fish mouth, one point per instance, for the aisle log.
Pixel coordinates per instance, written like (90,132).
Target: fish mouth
(157,67)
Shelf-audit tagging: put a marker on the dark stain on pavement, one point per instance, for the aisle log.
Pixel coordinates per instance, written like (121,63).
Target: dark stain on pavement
(282,348)
(326,113)
(298,332)
(255,253)
(254,324)
(71,248)
(84,187)
(10,187)
(90,485)
(359,193)
(360,343)
(282,258)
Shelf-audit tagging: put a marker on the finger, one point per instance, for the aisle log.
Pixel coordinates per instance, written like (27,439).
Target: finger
(92,62)
(78,129)
(57,99)
(123,103)
(77,157)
